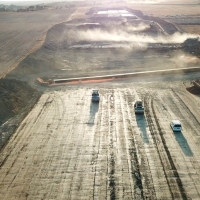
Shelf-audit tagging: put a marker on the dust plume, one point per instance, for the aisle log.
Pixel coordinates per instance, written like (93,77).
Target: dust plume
(139,27)
(97,35)
(184,59)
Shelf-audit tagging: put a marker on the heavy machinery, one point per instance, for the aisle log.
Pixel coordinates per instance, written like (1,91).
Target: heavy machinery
(138,107)
(95,96)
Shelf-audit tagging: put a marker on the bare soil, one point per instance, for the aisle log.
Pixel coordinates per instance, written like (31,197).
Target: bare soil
(67,147)
(105,150)
(16,99)
(169,8)
(194,29)
(69,50)
(22,33)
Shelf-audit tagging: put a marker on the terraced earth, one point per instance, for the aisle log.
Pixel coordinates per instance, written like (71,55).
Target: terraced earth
(66,147)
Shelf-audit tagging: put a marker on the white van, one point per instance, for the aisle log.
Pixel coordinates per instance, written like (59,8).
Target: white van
(176,125)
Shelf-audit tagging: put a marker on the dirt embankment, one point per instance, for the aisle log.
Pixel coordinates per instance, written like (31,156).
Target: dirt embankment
(192,46)
(18,97)
(16,100)
(194,88)
(15,96)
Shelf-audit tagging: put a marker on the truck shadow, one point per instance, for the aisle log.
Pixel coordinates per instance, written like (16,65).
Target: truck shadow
(142,124)
(94,107)
(183,143)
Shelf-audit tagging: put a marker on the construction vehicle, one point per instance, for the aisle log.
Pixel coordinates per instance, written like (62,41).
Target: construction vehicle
(176,125)
(95,96)
(138,107)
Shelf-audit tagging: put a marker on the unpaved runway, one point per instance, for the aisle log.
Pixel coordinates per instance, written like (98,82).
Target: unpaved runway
(70,148)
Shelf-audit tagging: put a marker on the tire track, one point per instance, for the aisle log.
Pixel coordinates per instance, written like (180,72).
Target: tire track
(143,148)
(97,152)
(189,161)
(19,148)
(111,154)
(175,184)
(132,151)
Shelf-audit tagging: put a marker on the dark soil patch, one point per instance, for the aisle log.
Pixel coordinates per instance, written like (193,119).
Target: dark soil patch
(15,96)
(194,90)
(192,46)
(16,99)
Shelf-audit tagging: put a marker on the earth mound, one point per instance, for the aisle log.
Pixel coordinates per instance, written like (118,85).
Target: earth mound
(114,41)
(15,97)
(195,88)
(192,46)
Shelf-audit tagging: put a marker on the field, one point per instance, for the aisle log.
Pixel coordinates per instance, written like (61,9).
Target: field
(21,33)
(68,147)
(160,10)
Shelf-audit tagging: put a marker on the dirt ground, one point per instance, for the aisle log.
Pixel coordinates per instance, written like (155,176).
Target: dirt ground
(105,151)
(67,147)
(22,33)
(81,45)
(17,98)
(160,10)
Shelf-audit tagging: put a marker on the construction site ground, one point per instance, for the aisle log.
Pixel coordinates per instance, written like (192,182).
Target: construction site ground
(64,146)
(70,148)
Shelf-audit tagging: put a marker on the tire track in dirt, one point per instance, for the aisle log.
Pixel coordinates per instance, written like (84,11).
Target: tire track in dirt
(59,111)
(111,154)
(186,141)
(143,142)
(96,153)
(75,160)
(18,150)
(70,168)
(86,153)
(51,153)
(172,176)
(131,147)
(16,137)
(124,168)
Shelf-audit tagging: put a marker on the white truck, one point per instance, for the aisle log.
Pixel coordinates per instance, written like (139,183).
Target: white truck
(138,107)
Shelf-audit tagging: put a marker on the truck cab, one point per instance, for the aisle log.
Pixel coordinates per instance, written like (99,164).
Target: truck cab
(138,107)
(176,125)
(95,96)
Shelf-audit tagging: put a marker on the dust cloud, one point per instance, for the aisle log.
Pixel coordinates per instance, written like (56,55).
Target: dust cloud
(139,27)
(94,35)
(182,59)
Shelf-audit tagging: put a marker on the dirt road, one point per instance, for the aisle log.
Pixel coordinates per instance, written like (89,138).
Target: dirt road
(70,148)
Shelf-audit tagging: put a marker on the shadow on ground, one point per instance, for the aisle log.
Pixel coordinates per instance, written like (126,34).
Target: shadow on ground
(94,107)
(183,143)
(142,124)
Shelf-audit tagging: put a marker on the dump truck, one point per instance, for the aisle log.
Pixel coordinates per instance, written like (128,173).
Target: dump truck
(95,96)
(138,107)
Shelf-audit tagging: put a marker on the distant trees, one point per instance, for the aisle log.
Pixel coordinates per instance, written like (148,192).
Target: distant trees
(15,8)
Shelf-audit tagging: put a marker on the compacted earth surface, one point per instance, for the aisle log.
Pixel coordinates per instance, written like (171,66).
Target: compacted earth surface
(68,147)
(58,144)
